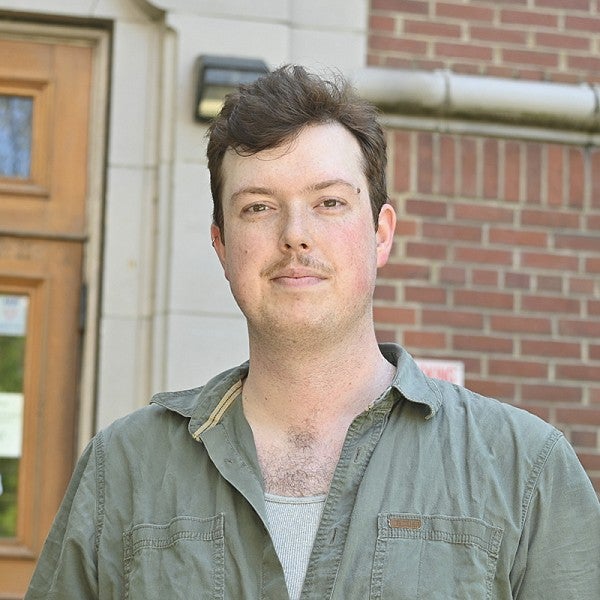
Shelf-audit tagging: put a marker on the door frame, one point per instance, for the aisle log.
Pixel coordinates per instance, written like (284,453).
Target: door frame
(96,34)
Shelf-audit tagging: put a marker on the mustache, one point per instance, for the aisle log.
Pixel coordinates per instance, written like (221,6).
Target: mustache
(301,260)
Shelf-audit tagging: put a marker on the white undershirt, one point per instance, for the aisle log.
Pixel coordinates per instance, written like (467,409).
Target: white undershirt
(293,524)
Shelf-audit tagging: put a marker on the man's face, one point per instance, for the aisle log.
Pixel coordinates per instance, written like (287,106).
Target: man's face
(301,250)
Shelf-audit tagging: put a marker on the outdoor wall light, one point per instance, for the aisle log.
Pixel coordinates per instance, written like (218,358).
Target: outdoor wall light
(219,75)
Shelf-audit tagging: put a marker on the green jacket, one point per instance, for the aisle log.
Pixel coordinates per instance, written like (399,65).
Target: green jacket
(439,494)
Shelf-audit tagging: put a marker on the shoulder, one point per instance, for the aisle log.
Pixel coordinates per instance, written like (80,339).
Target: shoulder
(495,421)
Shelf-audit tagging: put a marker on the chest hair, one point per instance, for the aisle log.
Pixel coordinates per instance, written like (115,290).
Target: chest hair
(301,463)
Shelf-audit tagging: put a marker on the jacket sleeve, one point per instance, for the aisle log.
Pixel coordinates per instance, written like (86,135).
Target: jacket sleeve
(559,553)
(67,567)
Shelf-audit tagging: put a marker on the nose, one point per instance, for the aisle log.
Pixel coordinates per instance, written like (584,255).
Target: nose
(295,230)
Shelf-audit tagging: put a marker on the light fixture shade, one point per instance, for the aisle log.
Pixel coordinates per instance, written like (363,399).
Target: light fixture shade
(219,75)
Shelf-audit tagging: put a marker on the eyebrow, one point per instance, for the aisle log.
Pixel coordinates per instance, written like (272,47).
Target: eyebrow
(314,187)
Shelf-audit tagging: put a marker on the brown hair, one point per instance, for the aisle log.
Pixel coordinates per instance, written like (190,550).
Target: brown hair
(276,107)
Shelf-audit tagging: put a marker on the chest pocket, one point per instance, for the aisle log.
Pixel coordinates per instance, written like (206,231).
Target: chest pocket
(180,559)
(434,557)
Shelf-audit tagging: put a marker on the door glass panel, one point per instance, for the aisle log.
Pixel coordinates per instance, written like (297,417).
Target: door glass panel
(15,136)
(13,325)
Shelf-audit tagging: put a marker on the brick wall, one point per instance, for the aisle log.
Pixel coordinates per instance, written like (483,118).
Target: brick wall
(497,264)
(497,254)
(555,40)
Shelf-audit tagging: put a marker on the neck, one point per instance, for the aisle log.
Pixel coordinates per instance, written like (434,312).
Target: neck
(328,384)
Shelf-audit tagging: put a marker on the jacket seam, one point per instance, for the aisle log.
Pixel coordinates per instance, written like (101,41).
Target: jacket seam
(536,472)
(100,487)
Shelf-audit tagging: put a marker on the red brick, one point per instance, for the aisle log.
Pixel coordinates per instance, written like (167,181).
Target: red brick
(565,4)
(490,168)
(551,304)
(469,160)
(518,368)
(579,373)
(555,40)
(402,155)
(497,34)
(483,255)
(551,392)
(548,283)
(547,260)
(501,390)
(589,243)
(485,277)
(593,307)
(554,156)
(579,416)
(518,237)
(465,68)
(580,285)
(404,316)
(482,343)
(576,177)
(499,71)
(442,231)
(447,165)
(429,251)
(463,12)
(550,218)
(419,7)
(483,212)
(497,300)
(550,348)
(590,461)
(424,339)
(404,270)
(469,51)
(516,324)
(432,28)
(542,412)
(382,24)
(422,294)
(512,171)
(585,63)
(533,154)
(452,318)
(424,162)
(396,44)
(584,439)
(520,281)
(427,208)
(453,275)
(594,353)
(595,171)
(385,292)
(385,335)
(593,222)
(592,265)
(530,57)
(526,17)
(587,23)
(580,328)
(406,227)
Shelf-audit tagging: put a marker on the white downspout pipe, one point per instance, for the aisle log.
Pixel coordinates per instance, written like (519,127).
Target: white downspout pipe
(442,92)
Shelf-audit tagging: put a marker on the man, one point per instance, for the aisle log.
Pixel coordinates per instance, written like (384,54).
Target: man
(327,466)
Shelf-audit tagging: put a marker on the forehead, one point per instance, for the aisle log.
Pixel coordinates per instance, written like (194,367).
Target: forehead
(318,153)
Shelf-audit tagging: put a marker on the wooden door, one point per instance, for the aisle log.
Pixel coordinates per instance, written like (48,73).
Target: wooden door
(44,113)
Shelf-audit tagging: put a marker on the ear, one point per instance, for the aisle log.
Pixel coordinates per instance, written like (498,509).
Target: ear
(218,245)
(386,227)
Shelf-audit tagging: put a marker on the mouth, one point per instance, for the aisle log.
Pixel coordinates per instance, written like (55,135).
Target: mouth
(294,277)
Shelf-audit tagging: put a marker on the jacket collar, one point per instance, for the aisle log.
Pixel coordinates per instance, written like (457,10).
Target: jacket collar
(205,406)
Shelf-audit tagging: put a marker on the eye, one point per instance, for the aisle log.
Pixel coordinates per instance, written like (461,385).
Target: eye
(256,208)
(331,203)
